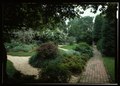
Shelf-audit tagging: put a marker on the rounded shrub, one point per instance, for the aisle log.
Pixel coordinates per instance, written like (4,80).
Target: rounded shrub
(84,48)
(47,51)
(55,73)
(74,63)
(44,54)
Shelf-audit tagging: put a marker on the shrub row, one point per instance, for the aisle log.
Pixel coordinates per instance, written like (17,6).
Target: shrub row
(17,46)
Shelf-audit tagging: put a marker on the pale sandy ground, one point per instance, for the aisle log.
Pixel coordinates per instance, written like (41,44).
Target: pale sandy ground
(21,64)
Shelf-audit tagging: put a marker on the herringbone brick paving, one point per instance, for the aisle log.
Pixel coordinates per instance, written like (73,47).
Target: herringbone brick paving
(95,71)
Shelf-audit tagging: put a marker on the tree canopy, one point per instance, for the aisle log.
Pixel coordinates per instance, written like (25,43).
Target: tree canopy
(107,35)
(81,29)
(97,28)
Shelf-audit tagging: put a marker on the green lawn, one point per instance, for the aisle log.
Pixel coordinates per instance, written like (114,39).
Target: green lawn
(69,46)
(20,53)
(109,63)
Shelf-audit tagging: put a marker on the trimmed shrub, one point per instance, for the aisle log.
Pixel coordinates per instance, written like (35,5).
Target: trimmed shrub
(84,48)
(23,47)
(18,46)
(55,73)
(12,44)
(74,63)
(45,53)
(38,63)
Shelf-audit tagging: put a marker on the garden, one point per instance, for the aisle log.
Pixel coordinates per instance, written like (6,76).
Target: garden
(56,47)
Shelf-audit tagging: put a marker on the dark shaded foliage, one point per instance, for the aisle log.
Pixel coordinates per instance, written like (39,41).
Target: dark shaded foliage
(107,42)
(55,73)
(84,48)
(45,52)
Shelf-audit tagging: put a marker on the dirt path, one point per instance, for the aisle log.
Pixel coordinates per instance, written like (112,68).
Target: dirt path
(64,49)
(21,64)
(95,71)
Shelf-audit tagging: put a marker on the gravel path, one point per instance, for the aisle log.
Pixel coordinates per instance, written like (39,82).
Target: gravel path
(21,64)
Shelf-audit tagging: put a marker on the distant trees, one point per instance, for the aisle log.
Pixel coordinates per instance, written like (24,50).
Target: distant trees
(37,16)
(58,36)
(105,31)
(109,31)
(81,29)
(98,25)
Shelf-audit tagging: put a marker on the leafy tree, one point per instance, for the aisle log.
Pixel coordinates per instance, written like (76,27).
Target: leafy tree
(97,28)
(81,29)
(108,34)
(34,15)
(24,36)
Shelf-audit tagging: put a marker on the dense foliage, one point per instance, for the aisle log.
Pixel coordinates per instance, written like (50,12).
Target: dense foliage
(98,25)
(84,48)
(74,63)
(37,16)
(45,51)
(55,73)
(16,46)
(81,29)
(60,68)
(107,33)
(24,36)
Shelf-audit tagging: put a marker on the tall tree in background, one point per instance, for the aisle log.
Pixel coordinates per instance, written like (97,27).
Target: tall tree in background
(97,28)
(81,29)
(34,15)
(107,43)
(109,31)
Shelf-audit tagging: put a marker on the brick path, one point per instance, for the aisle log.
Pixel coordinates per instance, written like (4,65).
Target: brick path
(95,71)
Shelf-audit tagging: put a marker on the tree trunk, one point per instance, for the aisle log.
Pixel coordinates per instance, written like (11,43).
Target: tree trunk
(3,60)
(3,54)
